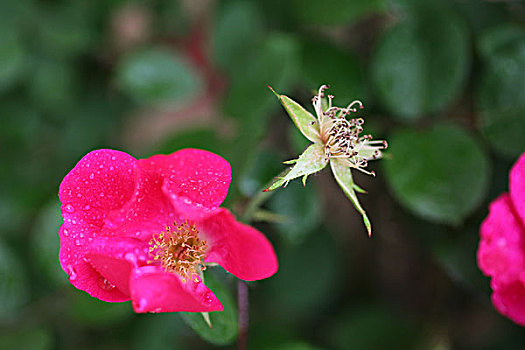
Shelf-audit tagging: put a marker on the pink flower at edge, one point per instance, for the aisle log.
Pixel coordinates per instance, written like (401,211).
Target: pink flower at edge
(114,242)
(501,251)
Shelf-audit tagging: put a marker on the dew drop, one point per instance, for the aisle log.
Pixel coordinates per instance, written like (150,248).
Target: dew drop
(92,176)
(113,158)
(66,232)
(81,235)
(69,208)
(101,194)
(105,284)
(141,304)
(208,298)
(77,242)
(130,257)
(71,272)
(111,168)
(87,207)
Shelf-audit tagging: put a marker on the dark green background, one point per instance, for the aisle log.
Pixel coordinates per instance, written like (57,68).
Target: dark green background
(442,81)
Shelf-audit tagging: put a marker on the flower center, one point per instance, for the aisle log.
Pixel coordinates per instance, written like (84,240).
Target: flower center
(341,136)
(180,250)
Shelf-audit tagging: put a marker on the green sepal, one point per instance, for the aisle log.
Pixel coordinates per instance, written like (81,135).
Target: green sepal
(311,161)
(303,120)
(206,316)
(343,176)
(359,189)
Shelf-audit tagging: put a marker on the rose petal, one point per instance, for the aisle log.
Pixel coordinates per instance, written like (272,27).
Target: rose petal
(517,187)
(102,181)
(199,177)
(238,248)
(114,258)
(153,290)
(501,251)
(148,211)
(82,274)
(509,300)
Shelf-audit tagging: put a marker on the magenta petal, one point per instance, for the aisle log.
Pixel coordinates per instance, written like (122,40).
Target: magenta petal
(153,290)
(517,187)
(84,276)
(509,300)
(501,249)
(114,258)
(148,210)
(238,248)
(102,181)
(199,177)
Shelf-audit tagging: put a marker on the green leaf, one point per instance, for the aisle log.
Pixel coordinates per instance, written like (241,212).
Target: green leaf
(311,161)
(224,323)
(13,58)
(232,47)
(14,291)
(373,327)
(157,75)
(259,171)
(53,85)
(440,174)
(501,94)
(333,12)
(292,296)
(420,64)
(37,338)
(196,138)
(343,176)
(303,120)
(66,30)
(91,312)
(45,243)
(162,331)
(274,62)
(324,63)
(301,209)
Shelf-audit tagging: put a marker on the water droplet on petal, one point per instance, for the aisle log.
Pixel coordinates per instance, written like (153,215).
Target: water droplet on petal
(71,272)
(77,242)
(87,207)
(69,208)
(92,176)
(105,284)
(66,232)
(207,298)
(130,257)
(140,305)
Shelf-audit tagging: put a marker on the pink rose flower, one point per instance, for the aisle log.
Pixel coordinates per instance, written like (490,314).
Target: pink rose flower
(142,230)
(501,251)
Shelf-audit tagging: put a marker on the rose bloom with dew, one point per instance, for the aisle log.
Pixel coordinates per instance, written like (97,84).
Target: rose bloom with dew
(501,250)
(145,229)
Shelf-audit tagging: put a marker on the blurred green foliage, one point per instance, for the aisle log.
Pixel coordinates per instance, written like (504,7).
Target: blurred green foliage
(442,81)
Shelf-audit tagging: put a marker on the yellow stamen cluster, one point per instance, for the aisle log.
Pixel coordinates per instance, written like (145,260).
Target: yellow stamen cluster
(180,250)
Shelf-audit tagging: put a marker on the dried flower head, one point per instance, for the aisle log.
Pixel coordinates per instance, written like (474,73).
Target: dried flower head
(336,140)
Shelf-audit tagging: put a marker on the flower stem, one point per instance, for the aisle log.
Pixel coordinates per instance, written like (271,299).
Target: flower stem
(242,288)
(244,306)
